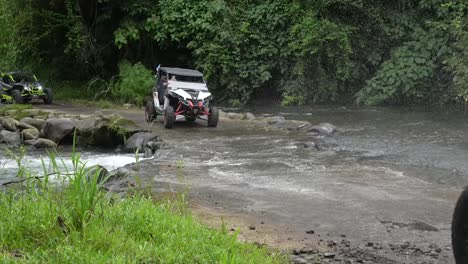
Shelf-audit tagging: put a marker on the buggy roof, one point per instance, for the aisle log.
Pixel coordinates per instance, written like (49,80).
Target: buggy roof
(181,72)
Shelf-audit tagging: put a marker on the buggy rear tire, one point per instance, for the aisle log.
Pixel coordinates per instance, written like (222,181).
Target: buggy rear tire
(169,117)
(48,96)
(150,112)
(213,118)
(16,97)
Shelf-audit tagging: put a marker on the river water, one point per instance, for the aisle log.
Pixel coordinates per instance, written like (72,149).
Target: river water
(389,175)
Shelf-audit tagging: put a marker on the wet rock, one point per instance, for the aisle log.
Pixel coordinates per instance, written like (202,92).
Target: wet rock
(311,145)
(249,116)
(310,232)
(299,260)
(120,173)
(236,116)
(29,142)
(35,122)
(10,138)
(276,120)
(148,153)
(30,133)
(329,255)
(10,124)
(370,244)
(87,127)
(58,129)
(1,127)
(323,129)
(44,143)
(307,250)
(97,173)
(22,126)
(105,131)
(142,140)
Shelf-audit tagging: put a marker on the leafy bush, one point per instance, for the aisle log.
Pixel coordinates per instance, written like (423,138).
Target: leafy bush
(293,101)
(403,75)
(135,82)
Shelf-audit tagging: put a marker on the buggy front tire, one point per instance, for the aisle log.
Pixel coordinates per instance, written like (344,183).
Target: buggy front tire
(213,118)
(150,112)
(16,97)
(169,117)
(48,96)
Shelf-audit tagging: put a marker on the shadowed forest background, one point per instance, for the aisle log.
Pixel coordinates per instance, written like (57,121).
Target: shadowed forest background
(296,52)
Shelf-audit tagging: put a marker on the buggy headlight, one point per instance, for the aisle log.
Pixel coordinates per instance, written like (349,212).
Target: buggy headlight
(27,88)
(39,87)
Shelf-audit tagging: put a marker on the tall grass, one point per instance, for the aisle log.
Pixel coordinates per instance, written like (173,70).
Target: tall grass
(46,222)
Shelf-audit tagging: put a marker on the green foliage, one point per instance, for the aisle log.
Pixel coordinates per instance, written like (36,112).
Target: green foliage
(293,101)
(326,50)
(48,223)
(403,75)
(134,84)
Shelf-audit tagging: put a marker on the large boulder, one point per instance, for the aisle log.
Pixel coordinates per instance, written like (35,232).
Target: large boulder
(142,141)
(87,127)
(10,124)
(35,122)
(10,138)
(43,143)
(105,131)
(31,133)
(323,129)
(58,129)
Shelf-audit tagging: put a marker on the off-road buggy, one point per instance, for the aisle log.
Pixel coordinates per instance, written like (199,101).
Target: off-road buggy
(180,93)
(23,87)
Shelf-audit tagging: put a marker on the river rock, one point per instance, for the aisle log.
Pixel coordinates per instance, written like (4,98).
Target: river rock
(10,138)
(98,171)
(1,127)
(58,129)
(142,140)
(22,126)
(105,131)
(249,116)
(10,124)
(31,133)
(276,120)
(44,143)
(323,129)
(235,116)
(88,126)
(29,142)
(35,122)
